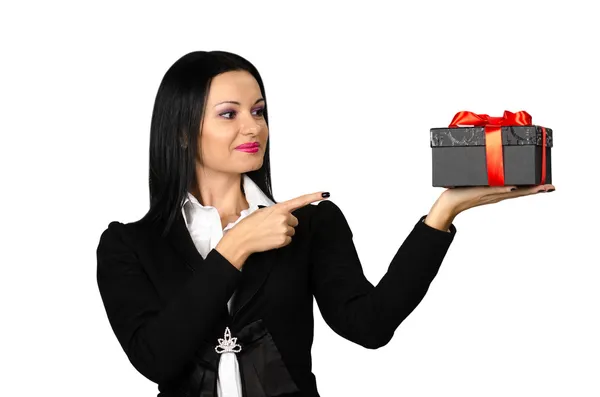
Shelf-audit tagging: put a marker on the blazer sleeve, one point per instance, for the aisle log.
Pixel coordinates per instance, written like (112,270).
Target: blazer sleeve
(349,303)
(159,338)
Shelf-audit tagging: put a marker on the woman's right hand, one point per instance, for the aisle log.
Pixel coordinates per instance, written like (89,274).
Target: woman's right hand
(267,228)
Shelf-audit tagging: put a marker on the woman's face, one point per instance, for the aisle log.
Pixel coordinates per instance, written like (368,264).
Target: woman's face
(233,116)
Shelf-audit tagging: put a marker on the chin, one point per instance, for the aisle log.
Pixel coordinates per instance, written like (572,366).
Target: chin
(257,167)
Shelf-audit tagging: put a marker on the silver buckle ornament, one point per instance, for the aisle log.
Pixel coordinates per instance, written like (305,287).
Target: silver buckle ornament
(228,344)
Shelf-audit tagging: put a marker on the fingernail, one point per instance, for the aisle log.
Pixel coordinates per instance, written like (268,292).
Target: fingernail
(326,194)
(550,190)
(541,191)
(513,189)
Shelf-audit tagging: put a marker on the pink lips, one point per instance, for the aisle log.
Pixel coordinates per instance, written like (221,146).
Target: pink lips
(251,147)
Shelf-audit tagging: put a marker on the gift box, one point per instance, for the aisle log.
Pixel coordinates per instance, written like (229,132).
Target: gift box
(479,150)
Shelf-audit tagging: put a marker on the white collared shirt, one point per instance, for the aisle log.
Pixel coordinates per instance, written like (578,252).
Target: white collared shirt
(204,226)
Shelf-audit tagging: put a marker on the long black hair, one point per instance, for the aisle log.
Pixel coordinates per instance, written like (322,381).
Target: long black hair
(175,129)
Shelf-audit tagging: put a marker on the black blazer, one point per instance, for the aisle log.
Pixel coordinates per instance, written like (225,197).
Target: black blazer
(168,306)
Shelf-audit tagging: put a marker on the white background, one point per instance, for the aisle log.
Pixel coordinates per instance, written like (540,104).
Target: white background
(352,92)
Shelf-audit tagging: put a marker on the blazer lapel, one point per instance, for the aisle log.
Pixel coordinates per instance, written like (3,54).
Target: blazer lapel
(254,272)
(179,238)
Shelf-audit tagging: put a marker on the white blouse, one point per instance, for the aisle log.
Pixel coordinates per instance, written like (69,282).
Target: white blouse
(204,225)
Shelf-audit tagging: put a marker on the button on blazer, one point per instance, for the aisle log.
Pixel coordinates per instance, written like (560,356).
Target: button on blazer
(168,308)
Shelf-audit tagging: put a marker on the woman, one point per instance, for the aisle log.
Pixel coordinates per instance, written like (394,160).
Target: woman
(211,292)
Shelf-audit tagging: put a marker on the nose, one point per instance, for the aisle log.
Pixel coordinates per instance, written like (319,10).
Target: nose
(250,127)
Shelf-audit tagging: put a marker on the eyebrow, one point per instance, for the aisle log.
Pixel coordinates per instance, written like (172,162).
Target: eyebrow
(237,103)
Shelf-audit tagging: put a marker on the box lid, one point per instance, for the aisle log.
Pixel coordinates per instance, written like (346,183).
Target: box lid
(475,136)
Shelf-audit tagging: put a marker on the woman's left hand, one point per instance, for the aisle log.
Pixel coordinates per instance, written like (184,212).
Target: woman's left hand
(462,198)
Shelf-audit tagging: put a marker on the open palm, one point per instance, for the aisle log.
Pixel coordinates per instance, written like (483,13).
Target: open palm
(463,198)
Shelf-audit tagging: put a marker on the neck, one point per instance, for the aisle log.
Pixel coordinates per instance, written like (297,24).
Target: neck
(222,191)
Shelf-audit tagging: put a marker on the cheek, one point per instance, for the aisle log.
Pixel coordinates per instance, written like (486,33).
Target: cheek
(216,146)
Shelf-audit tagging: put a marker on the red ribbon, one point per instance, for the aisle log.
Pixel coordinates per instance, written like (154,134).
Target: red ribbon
(493,139)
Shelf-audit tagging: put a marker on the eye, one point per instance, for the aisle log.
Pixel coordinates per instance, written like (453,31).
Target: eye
(228,112)
(260,112)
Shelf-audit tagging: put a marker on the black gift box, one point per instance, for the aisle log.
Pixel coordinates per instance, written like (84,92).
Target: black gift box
(459,156)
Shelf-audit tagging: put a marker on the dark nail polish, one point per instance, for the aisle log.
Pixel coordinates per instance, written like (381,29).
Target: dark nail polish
(326,194)
(513,189)
(550,190)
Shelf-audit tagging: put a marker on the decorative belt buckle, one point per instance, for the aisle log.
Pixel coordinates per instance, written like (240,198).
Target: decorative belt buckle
(228,345)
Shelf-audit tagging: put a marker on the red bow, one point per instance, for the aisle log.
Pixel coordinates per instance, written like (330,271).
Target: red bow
(493,139)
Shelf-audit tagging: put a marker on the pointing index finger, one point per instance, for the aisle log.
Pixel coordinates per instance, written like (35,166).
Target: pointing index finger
(301,201)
